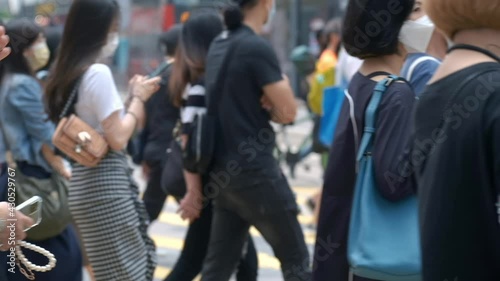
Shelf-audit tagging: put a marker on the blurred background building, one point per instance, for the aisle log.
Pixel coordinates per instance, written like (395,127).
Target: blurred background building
(143,20)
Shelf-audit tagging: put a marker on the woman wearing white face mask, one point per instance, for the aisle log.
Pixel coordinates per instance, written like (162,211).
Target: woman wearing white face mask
(103,200)
(25,131)
(426,47)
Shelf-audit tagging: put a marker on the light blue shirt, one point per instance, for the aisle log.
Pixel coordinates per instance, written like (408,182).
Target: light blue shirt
(24,121)
(422,72)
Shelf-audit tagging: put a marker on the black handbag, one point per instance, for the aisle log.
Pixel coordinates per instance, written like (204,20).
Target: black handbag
(198,154)
(172,178)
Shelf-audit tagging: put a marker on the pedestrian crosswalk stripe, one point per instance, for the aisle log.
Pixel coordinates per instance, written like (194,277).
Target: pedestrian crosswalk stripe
(266,261)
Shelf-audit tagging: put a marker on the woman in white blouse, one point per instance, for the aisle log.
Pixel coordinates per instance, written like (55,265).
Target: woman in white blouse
(104,199)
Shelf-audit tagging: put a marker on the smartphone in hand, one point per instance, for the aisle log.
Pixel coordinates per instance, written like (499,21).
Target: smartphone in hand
(158,71)
(33,209)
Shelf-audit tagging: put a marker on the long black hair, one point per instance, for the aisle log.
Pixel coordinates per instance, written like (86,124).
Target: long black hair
(85,34)
(22,33)
(196,36)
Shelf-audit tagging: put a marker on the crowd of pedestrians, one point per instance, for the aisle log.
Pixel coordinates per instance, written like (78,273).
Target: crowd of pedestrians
(414,141)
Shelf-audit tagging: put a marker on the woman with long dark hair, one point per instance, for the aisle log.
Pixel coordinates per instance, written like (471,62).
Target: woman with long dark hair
(103,200)
(382,55)
(27,134)
(188,92)
(246,182)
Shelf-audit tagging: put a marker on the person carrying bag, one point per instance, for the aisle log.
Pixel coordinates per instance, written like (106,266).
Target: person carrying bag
(384,240)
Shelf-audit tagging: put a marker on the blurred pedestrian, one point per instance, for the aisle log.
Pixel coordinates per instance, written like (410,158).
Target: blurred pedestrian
(426,47)
(28,136)
(457,137)
(188,83)
(155,138)
(325,67)
(246,181)
(53,35)
(104,199)
(383,55)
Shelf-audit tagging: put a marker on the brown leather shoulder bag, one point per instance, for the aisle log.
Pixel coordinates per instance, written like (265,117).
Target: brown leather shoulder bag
(77,139)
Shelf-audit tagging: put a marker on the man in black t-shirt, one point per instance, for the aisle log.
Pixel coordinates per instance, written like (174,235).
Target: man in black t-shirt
(246,183)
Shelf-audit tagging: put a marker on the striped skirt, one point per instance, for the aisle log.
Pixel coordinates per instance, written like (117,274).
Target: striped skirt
(113,222)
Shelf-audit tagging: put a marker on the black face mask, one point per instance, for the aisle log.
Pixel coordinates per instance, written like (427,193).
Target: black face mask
(475,49)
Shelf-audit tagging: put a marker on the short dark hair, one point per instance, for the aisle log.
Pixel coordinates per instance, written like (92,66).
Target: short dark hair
(170,39)
(233,14)
(371,27)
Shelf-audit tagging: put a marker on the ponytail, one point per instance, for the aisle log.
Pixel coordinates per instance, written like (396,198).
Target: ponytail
(233,17)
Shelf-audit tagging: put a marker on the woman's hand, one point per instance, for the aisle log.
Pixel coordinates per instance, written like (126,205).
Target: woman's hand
(144,88)
(22,223)
(4,41)
(191,205)
(58,166)
(266,104)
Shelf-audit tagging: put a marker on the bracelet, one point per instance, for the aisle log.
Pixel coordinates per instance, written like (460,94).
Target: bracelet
(135,117)
(139,98)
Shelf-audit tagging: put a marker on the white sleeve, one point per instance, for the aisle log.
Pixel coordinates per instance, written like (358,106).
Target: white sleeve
(101,89)
(194,104)
(352,66)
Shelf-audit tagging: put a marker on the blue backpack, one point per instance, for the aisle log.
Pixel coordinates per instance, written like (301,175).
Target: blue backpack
(384,239)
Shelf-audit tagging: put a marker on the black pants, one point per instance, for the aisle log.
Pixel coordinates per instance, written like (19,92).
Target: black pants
(270,206)
(154,197)
(190,262)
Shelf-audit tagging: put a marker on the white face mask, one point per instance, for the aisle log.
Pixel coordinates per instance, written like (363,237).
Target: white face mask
(111,46)
(416,35)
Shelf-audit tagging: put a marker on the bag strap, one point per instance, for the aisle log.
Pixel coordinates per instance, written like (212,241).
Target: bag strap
(71,99)
(3,96)
(416,63)
(218,89)
(352,116)
(371,112)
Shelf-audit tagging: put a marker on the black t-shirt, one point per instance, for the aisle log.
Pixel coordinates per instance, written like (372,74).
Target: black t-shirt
(247,138)
(162,116)
(458,175)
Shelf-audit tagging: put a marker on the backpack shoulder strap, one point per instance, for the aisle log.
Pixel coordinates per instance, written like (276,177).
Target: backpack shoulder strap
(416,63)
(371,113)
(218,89)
